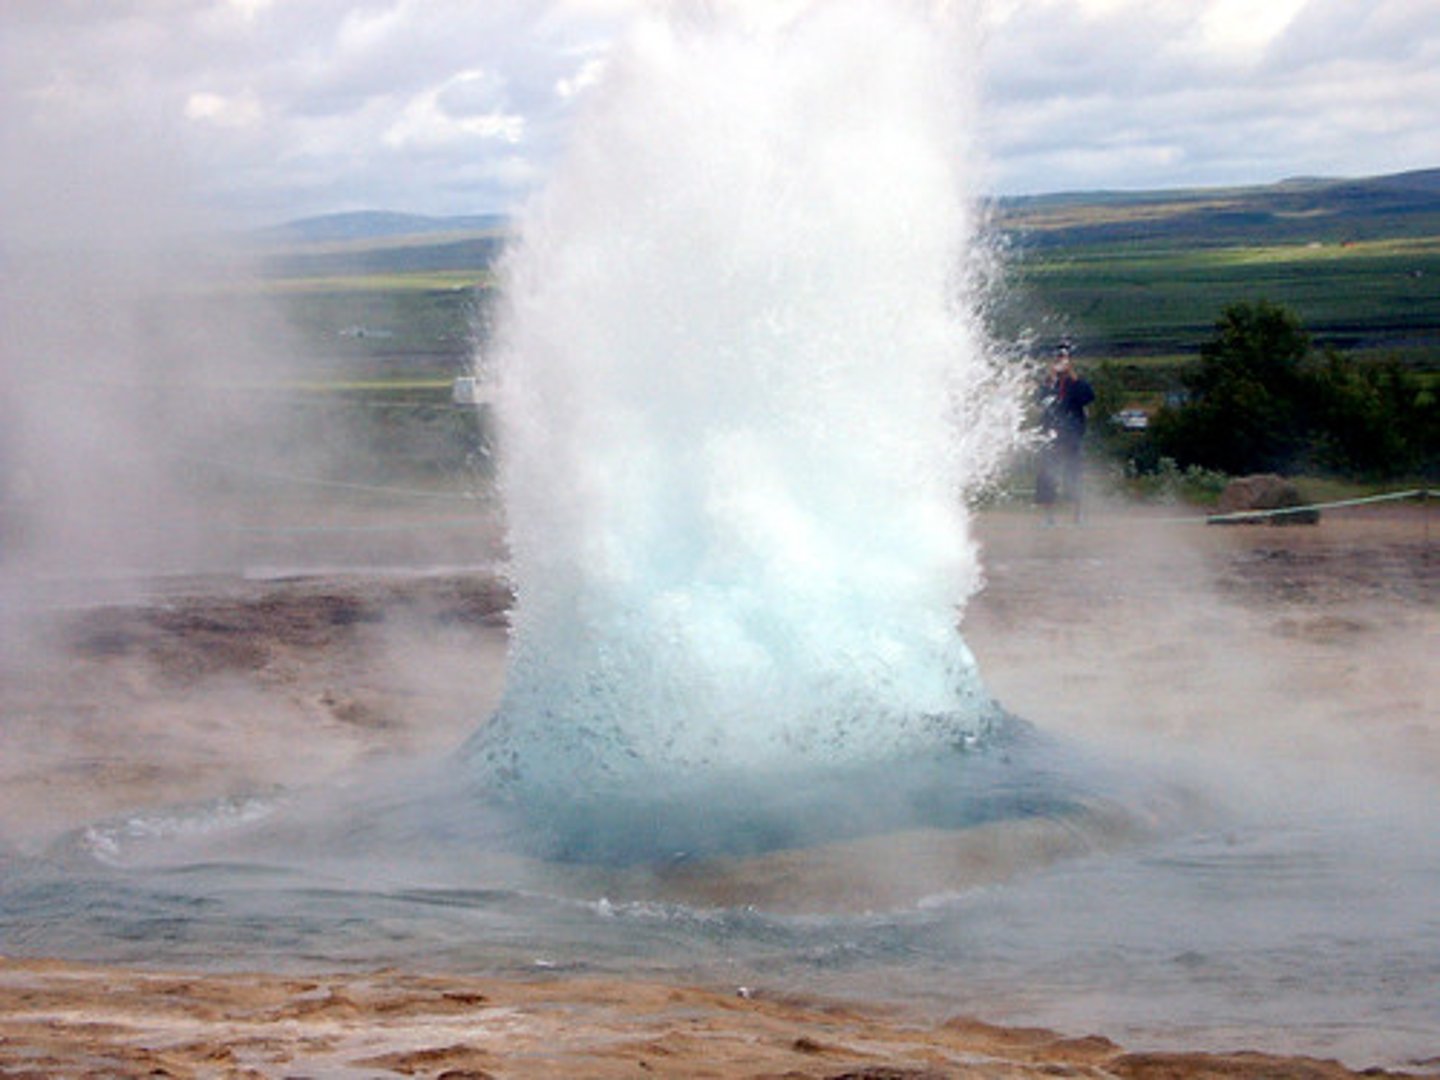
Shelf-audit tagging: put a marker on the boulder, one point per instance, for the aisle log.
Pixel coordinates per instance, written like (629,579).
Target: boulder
(1262,494)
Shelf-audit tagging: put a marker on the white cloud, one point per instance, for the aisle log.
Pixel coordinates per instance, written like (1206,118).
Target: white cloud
(1222,91)
(237,111)
(366,29)
(454,105)
(1243,29)
(444,114)
(249,9)
(589,73)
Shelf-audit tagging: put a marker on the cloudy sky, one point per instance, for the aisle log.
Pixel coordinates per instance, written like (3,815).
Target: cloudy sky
(273,109)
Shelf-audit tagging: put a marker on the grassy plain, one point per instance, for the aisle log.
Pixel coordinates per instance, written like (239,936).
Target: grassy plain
(1142,277)
(1155,305)
(397,281)
(1136,279)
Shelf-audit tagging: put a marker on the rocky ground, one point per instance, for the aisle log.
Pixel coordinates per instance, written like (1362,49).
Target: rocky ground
(1311,641)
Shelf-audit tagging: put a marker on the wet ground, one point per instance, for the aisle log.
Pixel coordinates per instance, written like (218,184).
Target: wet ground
(1274,645)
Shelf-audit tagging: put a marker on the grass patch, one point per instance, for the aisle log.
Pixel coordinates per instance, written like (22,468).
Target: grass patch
(1144,305)
(1323,489)
(380,385)
(425,281)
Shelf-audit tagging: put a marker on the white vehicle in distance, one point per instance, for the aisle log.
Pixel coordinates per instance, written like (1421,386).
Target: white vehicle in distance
(1131,419)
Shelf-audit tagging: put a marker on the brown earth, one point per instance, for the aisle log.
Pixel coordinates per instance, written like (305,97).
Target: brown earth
(66,1021)
(1313,642)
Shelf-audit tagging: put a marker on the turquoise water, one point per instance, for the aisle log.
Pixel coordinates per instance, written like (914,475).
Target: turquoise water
(1319,933)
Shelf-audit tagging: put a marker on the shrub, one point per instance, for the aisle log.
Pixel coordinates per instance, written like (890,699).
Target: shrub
(1259,401)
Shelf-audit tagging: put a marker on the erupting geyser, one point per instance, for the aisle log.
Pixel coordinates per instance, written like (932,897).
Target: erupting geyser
(743,393)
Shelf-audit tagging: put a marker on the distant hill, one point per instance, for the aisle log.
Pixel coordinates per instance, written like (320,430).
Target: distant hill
(1127,275)
(1147,273)
(372,242)
(1133,273)
(1298,210)
(411,257)
(376,225)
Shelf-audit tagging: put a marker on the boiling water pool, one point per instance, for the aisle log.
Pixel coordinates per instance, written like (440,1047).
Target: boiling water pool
(1156,920)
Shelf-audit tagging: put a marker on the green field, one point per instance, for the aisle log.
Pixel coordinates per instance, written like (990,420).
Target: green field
(1142,277)
(1134,278)
(1119,302)
(396,328)
(384,322)
(431,281)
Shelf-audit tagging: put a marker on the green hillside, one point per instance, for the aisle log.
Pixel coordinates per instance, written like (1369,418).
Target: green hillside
(1132,276)
(1373,295)
(1301,211)
(1145,274)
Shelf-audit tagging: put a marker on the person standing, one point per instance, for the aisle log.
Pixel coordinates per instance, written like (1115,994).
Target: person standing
(1064,400)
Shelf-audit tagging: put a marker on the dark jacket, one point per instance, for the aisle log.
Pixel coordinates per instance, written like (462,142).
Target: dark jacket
(1065,404)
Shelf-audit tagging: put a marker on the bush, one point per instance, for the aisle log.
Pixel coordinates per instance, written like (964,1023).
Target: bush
(1258,401)
(1167,482)
(1245,411)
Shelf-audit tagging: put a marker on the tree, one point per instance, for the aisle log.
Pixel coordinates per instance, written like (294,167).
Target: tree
(1260,402)
(1247,409)
(1373,419)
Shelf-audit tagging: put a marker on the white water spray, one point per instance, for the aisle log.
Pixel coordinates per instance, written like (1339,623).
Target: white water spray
(743,395)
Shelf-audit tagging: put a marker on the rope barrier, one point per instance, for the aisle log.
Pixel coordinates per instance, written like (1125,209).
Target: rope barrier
(1201,519)
(302,530)
(1242,516)
(344,485)
(1284,511)
(305,397)
(478,500)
